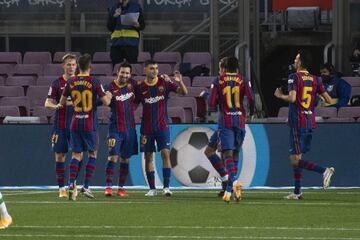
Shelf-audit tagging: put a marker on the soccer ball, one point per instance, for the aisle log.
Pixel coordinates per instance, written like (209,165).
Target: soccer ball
(188,161)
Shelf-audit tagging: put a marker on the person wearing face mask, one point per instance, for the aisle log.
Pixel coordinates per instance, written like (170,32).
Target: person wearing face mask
(338,89)
(125,21)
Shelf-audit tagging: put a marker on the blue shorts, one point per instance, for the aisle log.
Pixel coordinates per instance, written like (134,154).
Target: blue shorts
(60,140)
(83,141)
(300,140)
(147,142)
(123,144)
(214,140)
(231,138)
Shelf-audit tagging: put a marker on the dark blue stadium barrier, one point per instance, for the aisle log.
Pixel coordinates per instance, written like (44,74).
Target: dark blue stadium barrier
(26,158)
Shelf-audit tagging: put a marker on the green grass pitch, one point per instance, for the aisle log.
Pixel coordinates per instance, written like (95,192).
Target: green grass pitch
(188,214)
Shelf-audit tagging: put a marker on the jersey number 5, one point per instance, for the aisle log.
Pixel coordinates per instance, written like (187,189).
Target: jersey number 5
(228,91)
(306,97)
(82,98)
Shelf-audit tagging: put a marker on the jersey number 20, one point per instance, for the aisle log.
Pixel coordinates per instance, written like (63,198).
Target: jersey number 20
(82,100)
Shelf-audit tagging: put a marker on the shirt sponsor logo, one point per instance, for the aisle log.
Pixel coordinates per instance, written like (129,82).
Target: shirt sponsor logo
(152,100)
(124,97)
(234,113)
(82,116)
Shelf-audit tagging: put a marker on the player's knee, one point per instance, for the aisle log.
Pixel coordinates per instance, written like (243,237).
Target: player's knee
(227,153)
(113,158)
(125,160)
(77,156)
(92,154)
(165,153)
(294,159)
(148,157)
(209,151)
(60,157)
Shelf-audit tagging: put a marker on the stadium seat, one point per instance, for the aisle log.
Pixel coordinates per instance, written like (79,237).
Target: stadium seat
(143,56)
(106,80)
(198,58)
(139,78)
(44,114)
(21,102)
(8,111)
(177,114)
(165,69)
(276,120)
(45,80)
(2,81)
(6,70)
(28,70)
(187,81)
(104,114)
(349,112)
(353,81)
(37,58)
(199,81)
(101,69)
(338,120)
(195,91)
(10,58)
(283,112)
(188,104)
(37,95)
(20,81)
(167,57)
(53,70)
(355,91)
(11,91)
(59,55)
(101,57)
(326,112)
(41,111)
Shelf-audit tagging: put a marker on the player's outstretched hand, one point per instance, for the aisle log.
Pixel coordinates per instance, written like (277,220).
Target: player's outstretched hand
(166,77)
(278,93)
(108,94)
(58,106)
(177,76)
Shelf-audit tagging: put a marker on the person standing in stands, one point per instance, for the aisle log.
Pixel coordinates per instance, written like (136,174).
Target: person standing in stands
(125,22)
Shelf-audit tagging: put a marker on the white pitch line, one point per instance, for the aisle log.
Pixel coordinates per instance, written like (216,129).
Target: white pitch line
(27,193)
(72,236)
(297,203)
(193,227)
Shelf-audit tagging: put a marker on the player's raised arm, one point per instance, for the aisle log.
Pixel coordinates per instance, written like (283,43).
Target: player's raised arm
(182,88)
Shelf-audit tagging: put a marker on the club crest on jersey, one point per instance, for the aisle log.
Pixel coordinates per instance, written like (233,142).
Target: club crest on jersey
(161,88)
(129,87)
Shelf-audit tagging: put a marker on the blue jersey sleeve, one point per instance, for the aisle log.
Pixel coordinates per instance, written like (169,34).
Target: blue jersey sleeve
(292,82)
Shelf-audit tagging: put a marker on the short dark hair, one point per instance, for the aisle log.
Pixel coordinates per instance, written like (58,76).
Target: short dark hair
(329,67)
(222,62)
(305,58)
(149,62)
(125,64)
(84,62)
(232,64)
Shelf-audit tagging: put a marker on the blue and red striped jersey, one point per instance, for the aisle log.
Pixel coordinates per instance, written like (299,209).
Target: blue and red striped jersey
(228,91)
(154,98)
(122,106)
(62,117)
(84,91)
(301,112)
